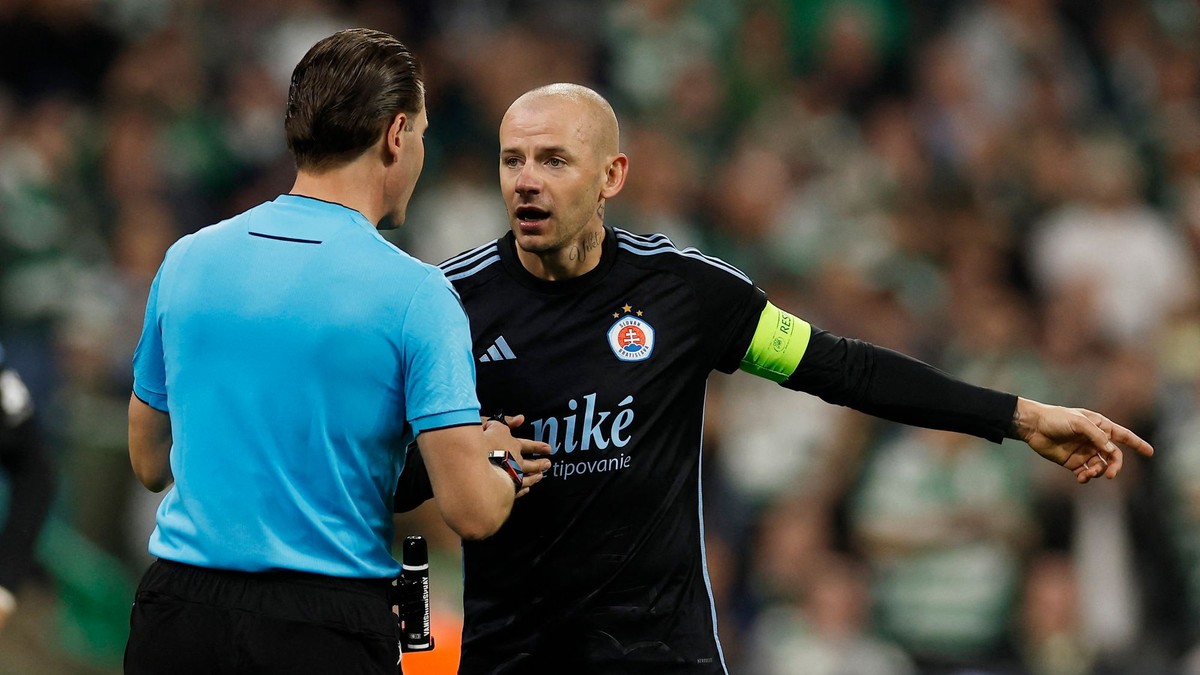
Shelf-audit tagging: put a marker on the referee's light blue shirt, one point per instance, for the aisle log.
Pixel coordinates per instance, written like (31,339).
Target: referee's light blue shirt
(297,353)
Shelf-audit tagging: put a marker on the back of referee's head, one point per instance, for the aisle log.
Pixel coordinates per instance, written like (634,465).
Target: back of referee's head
(344,93)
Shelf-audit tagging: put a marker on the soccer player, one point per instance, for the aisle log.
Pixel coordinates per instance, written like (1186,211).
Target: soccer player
(30,481)
(287,357)
(604,339)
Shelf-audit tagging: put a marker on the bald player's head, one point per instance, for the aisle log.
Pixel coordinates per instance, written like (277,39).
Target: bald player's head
(596,117)
(559,162)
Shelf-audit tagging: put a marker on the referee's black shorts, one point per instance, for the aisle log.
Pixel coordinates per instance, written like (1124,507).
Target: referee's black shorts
(190,619)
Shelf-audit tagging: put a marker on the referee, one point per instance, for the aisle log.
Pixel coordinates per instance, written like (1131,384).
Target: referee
(288,356)
(617,567)
(27,464)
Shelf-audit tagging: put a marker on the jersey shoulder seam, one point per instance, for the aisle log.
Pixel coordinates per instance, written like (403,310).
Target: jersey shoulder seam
(471,262)
(649,247)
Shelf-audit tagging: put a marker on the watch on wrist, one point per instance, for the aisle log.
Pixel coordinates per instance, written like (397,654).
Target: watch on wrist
(505,460)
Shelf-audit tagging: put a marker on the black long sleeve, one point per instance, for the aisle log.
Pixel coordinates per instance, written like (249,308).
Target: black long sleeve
(890,385)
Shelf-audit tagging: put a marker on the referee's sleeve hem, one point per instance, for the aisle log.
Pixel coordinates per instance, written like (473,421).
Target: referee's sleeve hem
(150,398)
(445,420)
(450,426)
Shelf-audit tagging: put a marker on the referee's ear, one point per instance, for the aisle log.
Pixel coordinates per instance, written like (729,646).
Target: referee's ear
(614,176)
(393,138)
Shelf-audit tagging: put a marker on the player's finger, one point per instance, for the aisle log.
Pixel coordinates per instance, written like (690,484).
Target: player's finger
(1092,428)
(514,421)
(1092,467)
(1119,434)
(529,447)
(1084,473)
(528,482)
(1131,440)
(1116,460)
(532,466)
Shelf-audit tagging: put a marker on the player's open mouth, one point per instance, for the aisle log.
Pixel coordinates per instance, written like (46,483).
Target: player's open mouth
(531,214)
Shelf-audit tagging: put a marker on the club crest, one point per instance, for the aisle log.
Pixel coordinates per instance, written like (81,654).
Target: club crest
(631,338)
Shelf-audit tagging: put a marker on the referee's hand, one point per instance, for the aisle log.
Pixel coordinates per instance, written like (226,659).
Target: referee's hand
(534,468)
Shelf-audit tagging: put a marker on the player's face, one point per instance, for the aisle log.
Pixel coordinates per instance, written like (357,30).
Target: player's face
(551,174)
(408,168)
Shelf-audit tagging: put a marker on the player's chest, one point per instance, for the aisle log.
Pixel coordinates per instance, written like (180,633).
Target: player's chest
(616,338)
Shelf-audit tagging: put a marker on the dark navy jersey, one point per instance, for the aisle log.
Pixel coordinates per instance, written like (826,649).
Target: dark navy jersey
(601,567)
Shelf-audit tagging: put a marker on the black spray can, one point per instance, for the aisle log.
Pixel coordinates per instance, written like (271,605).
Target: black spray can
(415,635)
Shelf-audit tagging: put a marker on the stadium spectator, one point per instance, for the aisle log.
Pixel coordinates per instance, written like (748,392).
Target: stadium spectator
(28,469)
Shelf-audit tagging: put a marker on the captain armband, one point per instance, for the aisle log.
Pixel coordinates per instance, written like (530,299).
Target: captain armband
(778,345)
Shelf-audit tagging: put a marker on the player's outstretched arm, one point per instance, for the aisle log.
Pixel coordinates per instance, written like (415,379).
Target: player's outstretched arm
(897,387)
(1080,440)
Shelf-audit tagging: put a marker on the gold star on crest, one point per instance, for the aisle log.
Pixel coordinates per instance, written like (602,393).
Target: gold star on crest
(639,312)
(627,309)
(616,315)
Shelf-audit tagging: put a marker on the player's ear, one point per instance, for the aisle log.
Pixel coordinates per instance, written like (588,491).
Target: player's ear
(614,177)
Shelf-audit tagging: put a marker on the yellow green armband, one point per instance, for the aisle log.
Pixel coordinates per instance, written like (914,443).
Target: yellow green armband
(778,345)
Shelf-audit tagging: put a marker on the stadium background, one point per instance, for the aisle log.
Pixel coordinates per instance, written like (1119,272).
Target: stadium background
(1007,188)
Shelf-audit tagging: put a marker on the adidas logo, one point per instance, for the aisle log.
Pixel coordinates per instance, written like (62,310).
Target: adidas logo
(499,351)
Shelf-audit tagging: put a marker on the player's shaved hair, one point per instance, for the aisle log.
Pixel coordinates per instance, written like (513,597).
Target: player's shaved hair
(601,120)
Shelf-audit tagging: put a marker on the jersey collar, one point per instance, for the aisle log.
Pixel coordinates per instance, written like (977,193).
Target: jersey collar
(512,264)
(323,206)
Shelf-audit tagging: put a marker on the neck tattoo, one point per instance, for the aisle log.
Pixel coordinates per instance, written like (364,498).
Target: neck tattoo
(590,243)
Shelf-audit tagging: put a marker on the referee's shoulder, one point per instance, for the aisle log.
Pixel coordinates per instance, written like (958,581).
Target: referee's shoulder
(223,228)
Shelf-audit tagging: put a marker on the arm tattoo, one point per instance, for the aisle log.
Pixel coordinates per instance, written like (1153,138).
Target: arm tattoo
(1014,429)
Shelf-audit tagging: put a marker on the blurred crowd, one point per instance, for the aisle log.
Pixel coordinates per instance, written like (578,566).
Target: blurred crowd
(1009,189)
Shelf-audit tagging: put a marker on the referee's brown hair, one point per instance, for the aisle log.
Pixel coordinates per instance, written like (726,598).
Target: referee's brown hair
(344,91)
